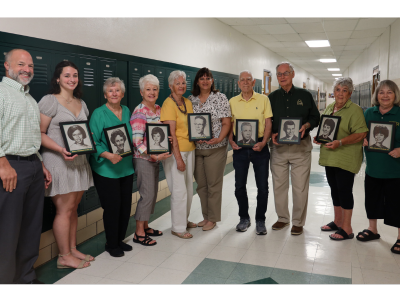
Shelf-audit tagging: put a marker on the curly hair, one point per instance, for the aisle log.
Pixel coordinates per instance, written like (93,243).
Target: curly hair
(74,128)
(158,130)
(55,87)
(382,130)
(116,133)
(330,123)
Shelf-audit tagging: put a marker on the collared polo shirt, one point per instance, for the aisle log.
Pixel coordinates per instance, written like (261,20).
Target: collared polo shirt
(19,120)
(297,103)
(346,157)
(257,107)
(382,165)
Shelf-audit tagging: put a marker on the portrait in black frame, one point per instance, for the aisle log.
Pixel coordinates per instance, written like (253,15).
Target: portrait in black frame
(246,132)
(199,127)
(288,132)
(381,136)
(157,138)
(118,140)
(328,129)
(77,137)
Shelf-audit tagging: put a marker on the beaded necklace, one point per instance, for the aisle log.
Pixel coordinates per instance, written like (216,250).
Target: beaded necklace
(184,105)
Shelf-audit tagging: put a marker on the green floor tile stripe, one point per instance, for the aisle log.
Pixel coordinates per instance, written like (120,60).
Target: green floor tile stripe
(48,272)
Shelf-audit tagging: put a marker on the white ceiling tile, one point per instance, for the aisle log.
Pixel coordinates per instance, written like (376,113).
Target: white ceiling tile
(367,33)
(339,18)
(338,53)
(303,20)
(295,44)
(335,35)
(279,49)
(307,27)
(364,41)
(355,47)
(272,44)
(313,36)
(278,29)
(294,37)
(250,29)
(374,23)
(299,50)
(262,37)
(306,55)
(351,52)
(237,21)
(342,25)
(337,48)
(339,42)
(322,49)
(269,21)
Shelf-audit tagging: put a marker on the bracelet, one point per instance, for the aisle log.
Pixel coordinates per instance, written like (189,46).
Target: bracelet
(157,159)
(340,141)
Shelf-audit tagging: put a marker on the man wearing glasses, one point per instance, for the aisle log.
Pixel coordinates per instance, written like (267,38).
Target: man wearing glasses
(290,101)
(251,105)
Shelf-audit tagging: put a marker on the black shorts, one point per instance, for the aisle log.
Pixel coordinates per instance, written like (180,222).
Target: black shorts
(382,199)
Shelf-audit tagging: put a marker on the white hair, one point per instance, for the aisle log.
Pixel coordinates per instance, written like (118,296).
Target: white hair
(344,81)
(111,81)
(175,75)
(285,63)
(246,71)
(153,80)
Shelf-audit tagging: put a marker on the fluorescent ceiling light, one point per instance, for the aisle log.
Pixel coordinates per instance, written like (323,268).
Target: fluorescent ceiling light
(318,44)
(327,60)
(333,69)
(336,74)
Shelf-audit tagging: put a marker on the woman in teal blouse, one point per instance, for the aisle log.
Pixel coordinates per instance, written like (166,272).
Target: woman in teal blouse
(112,174)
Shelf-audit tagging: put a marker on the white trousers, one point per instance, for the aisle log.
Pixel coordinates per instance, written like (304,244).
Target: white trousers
(180,185)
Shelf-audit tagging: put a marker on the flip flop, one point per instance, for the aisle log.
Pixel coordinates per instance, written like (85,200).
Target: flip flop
(397,246)
(332,226)
(343,234)
(367,237)
(154,233)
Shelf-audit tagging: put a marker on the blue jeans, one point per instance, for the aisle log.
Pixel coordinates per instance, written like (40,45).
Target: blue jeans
(241,162)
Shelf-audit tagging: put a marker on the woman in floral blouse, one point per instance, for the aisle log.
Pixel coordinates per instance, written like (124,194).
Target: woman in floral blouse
(210,155)
(146,166)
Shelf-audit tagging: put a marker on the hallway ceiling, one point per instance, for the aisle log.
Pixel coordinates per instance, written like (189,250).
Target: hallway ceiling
(348,38)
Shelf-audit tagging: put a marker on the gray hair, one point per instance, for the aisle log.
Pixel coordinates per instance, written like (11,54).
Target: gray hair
(111,81)
(7,56)
(344,81)
(151,79)
(175,75)
(285,63)
(246,71)
(391,86)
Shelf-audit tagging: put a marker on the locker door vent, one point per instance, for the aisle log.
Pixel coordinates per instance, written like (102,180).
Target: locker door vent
(88,77)
(40,74)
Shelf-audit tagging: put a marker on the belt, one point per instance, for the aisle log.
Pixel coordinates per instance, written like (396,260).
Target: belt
(17,157)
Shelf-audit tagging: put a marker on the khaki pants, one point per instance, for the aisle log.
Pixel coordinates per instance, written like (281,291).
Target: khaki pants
(298,158)
(209,175)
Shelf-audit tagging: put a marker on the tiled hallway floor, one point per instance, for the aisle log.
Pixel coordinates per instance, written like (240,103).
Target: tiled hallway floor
(223,256)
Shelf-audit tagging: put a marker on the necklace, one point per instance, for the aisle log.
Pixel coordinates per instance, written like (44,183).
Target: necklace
(68,102)
(184,105)
(117,112)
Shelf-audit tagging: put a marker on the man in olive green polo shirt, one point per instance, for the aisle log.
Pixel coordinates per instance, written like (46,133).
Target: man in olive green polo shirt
(290,101)
(251,105)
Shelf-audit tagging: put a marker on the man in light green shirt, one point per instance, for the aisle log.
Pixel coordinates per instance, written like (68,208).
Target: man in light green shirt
(21,172)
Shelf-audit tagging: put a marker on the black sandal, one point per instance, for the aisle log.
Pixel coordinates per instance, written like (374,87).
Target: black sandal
(332,226)
(397,245)
(367,237)
(154,233)
(145,242)
(343,234)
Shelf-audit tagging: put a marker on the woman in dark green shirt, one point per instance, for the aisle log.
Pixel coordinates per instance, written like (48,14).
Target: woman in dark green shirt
(382,175)
(112,174)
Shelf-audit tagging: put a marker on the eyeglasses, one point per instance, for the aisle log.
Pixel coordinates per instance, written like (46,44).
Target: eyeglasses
(248,79)
(287,73)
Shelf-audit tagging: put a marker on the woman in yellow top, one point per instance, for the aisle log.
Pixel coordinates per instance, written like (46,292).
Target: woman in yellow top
(179,168)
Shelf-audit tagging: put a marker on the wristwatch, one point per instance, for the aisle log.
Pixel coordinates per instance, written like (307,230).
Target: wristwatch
(307,125)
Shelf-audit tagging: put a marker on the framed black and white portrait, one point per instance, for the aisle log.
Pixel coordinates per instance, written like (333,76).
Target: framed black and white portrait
(288,132)
(328,129)
(77,137)
(157,138)
(118,140)
(246,132)
(381,136)
(199,127)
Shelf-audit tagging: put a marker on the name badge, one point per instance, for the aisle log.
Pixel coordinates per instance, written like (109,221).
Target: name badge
(299,102)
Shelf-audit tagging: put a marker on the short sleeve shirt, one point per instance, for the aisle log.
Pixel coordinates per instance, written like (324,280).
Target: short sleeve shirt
(257,107)
(382,165)
(170,112)
(218,106)
(346,157)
